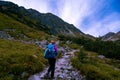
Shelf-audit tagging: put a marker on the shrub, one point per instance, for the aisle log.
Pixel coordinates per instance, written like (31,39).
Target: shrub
(82,55)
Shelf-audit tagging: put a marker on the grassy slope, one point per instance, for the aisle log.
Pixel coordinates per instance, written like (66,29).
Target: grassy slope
(7,22)
(16,58)
(95,68)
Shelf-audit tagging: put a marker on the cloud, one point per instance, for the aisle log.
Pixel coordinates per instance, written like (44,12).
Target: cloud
(110,23)
(74,11)
(40,5)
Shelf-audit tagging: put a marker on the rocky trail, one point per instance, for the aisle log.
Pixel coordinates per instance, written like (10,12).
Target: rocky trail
(63,69)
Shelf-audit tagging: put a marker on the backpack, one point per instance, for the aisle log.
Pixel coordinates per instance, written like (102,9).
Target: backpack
(49,51)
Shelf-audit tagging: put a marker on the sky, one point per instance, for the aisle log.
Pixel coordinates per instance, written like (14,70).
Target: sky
(94,17)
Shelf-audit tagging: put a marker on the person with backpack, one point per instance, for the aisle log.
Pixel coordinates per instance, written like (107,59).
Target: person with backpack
(51,53)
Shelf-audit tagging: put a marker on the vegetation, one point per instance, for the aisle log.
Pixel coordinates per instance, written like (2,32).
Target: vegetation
(107,48)
(17,58)
(19,30)
(74,46)
(95,68)
(89,64)
(59,55)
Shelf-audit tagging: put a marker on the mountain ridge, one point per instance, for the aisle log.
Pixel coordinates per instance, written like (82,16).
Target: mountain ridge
(111,36)
(48,22)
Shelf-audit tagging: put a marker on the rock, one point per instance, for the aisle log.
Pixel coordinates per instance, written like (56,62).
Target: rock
(101,56)
(68,54)
(116,69)
(5,35)
(23,74)
(68,77)
(11,75)
(42,44)
(62,68)
(34,56)
(57,43)
(68,42)
(61,76)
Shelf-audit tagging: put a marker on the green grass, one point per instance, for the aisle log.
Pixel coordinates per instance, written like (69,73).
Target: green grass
(17,29)
(95,68)
(59,54)
(16,58)
(74,46)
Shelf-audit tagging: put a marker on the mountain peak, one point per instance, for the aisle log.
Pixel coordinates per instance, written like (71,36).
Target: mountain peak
(111,36)
(42,21)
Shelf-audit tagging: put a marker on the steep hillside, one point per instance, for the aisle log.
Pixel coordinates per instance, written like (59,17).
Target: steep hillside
(111,36)
(48,22)
(18,60)
(116,36)
(19,30)
(108,36)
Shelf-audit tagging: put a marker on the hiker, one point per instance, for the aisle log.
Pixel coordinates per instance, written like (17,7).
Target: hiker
(52,60)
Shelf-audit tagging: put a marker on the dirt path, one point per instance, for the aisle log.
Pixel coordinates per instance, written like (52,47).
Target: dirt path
(63,70)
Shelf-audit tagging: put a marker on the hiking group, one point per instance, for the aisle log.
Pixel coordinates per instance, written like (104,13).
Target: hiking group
(50,54)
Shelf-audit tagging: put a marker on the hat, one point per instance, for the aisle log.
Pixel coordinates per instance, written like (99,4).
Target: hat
(52,41)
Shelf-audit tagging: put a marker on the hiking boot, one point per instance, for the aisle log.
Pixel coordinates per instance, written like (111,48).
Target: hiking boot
(47,74)
(52,78)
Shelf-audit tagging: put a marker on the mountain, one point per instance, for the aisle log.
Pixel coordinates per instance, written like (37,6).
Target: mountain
(48,22)
(111,36)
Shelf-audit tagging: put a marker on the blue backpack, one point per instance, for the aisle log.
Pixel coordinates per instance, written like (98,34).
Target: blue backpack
(49,52)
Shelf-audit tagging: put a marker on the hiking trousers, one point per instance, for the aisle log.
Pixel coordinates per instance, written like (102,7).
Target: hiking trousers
(51,68)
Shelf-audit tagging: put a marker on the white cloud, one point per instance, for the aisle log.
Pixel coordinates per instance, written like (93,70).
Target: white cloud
(110,23)
(74,11)
(40,5)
